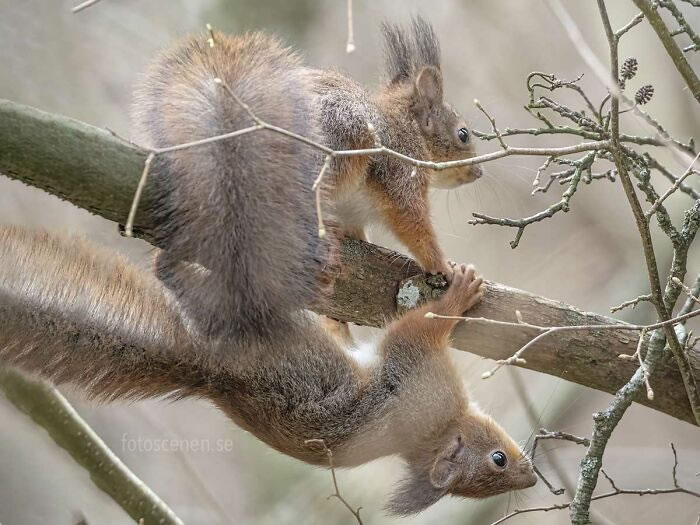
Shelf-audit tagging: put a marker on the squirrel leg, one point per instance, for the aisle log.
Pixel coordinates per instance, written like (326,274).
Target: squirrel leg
(409,219)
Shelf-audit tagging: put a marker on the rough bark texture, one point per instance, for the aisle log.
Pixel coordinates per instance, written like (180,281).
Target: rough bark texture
(97,171)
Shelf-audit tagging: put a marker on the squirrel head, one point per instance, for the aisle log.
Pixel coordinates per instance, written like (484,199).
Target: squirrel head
(412,61)
(473,458)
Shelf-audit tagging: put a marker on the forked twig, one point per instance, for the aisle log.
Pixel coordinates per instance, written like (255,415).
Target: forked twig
(331,467)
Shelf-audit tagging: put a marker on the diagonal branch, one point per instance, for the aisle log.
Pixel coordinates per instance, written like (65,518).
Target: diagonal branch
(97,171)
(669,43)
(49,408)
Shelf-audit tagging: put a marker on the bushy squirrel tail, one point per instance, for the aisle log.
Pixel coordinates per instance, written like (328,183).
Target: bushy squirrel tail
(72,312)
(242,208)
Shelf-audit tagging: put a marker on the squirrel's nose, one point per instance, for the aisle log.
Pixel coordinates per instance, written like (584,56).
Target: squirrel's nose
(477,171)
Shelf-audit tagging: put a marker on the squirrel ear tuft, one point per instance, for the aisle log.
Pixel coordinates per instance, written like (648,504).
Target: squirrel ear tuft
(449,465)
(398,53)
(429,87)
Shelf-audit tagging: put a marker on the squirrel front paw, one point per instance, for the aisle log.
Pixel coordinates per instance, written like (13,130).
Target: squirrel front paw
(446,268)
(465,291)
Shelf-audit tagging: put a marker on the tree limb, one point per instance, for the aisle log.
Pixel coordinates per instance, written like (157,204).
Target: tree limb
(49,408)
(98,171)
(675,52)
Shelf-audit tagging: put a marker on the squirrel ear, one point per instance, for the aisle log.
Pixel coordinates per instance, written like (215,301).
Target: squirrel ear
(413,495)
(449,465)
(429,87)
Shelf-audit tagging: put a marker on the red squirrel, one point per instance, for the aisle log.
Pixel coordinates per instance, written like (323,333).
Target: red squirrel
(242,258)
(244,209)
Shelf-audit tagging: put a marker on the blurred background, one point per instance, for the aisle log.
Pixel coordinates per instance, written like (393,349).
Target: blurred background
(85,66)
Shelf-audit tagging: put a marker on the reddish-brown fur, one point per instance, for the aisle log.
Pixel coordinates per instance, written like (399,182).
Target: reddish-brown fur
(233,329)
(243,208)
(73,313)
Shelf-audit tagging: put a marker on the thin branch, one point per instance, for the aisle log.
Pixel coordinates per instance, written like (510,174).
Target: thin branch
(690,302)
(331,467)
(492,120)
(684,26)
(318,191)
(562,205)
(651,211)
(553,83)
(129,226)
(655,164)
(350,46)
(691,293)
(636,20)
(517,358)
(669,43)
(84,5)
(540,170)
(616,491)
(632,302)
(545,434)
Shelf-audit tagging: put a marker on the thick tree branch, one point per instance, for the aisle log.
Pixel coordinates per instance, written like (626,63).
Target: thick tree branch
(97,171)
(49,408)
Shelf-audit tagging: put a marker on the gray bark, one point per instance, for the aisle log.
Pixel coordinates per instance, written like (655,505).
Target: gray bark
(99,172)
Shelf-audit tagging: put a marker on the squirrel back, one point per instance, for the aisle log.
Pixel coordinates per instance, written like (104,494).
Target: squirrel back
(242,209)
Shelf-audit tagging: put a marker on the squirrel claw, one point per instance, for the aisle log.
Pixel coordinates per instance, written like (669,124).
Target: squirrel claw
(446,268)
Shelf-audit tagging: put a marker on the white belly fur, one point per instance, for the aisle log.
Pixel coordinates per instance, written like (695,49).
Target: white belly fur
(364,354)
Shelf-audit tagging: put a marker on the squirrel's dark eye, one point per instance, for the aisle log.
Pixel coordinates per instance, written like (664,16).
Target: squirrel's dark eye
(499,458)
(463,134)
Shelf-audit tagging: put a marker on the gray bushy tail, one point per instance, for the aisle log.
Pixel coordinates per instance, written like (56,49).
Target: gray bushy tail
(242,209)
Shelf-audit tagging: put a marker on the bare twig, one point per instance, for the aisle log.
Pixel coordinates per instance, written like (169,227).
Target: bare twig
(632,302)
(318,190)
(84,5)
(331,467)
(674,52)
(637,19)
(540,170)
(691,293)
(655,164)
(616,491)
(545,434)
(129,226)
(517,358)
(651,211)
(683,26)
(642,365)
(562,205)
(350,46)
(492,120)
